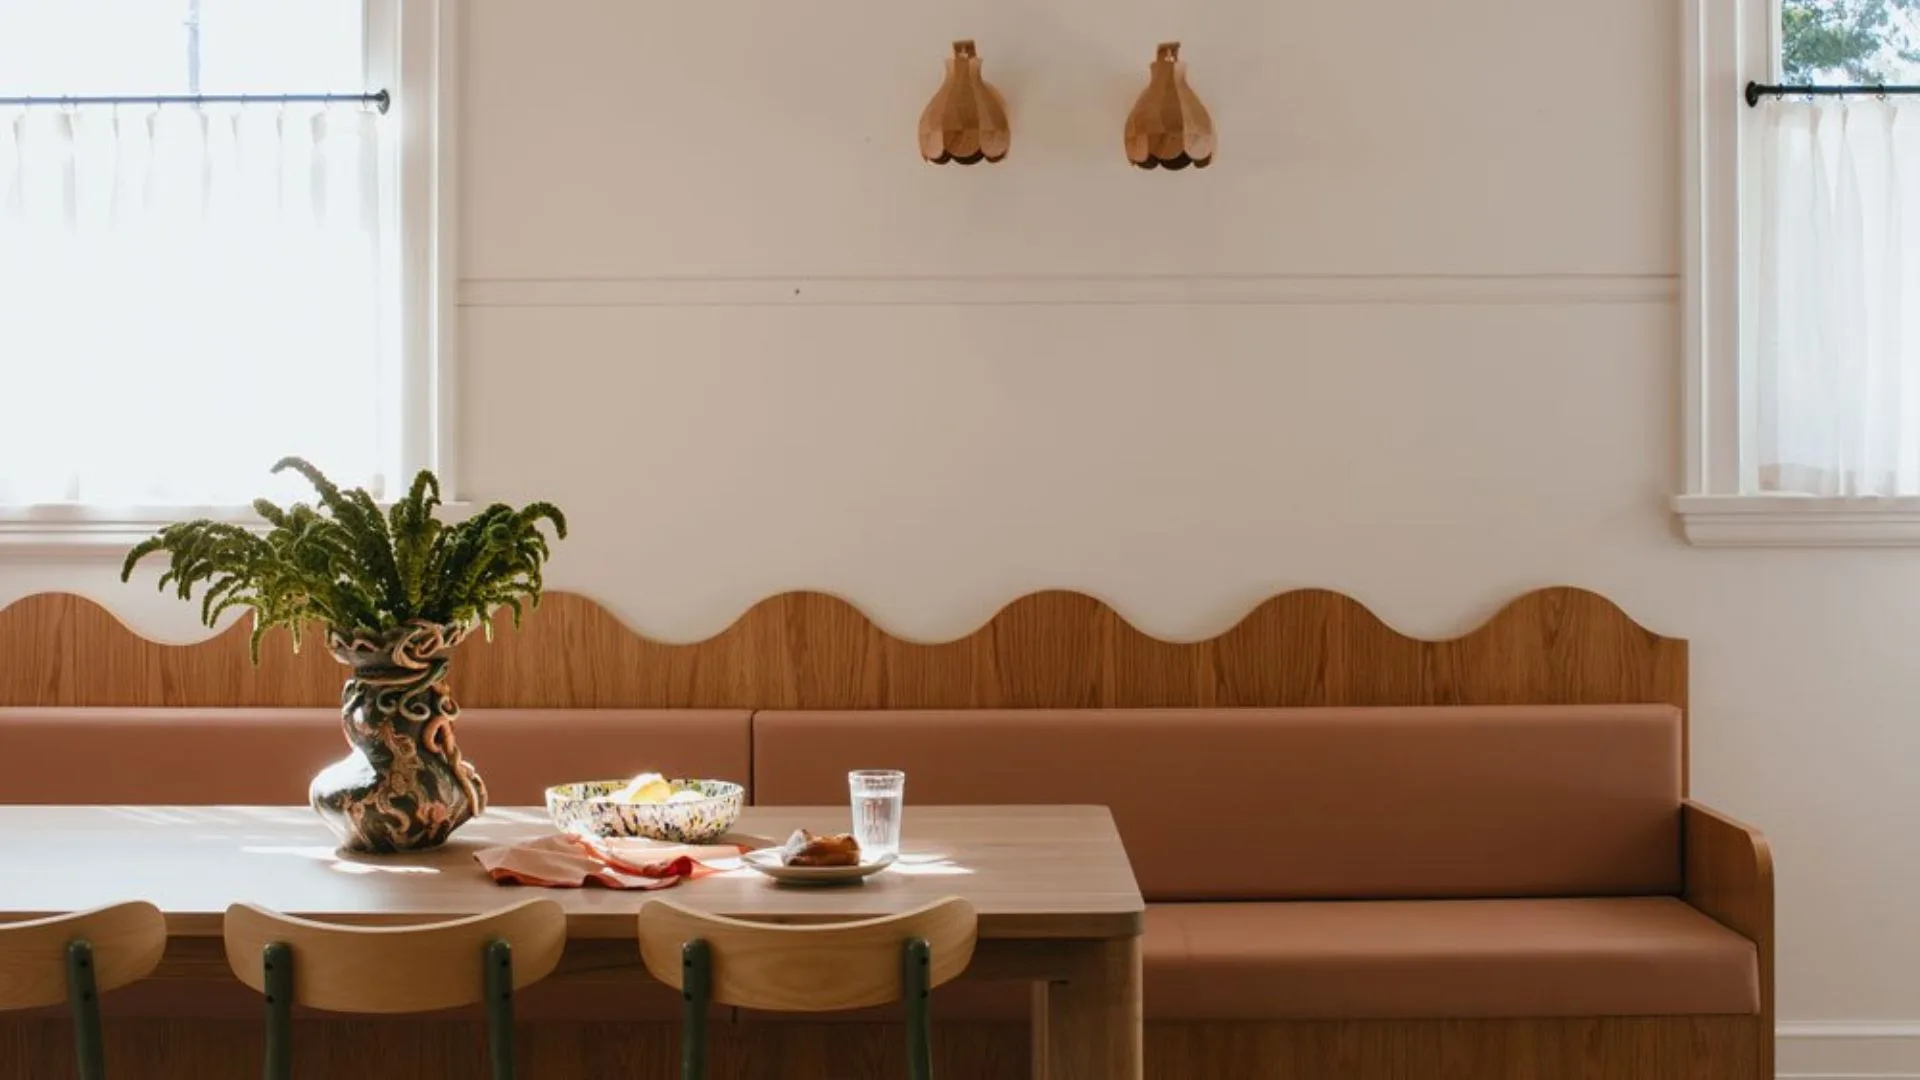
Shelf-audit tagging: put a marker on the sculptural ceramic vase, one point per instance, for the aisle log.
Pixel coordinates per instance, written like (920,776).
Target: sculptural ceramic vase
(404,787)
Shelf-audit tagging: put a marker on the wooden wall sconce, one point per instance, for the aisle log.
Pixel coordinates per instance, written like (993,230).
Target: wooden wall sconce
(966,122)
(1169,127)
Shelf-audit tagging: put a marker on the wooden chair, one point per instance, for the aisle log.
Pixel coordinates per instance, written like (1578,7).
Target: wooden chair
(76,958)
(394,969)
(806,968)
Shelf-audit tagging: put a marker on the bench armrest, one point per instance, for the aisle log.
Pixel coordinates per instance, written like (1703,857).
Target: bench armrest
(1728,872)
(1729,878)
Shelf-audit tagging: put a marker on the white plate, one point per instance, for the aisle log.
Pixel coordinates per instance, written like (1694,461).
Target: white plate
(767,861)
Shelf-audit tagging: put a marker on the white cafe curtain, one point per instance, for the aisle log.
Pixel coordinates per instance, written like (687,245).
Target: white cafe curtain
(186,295)
(1837,328)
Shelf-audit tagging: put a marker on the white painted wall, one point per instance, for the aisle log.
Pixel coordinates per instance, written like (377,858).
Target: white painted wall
(1413,337)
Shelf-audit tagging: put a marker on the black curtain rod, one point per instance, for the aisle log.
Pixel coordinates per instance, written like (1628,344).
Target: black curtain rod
(1756,91)
(379,99)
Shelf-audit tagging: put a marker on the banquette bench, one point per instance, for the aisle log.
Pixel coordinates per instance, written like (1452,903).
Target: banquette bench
(1361,889)
(1434,863)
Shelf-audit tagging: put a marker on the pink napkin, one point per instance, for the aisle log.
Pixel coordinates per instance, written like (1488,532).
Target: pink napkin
(566,861)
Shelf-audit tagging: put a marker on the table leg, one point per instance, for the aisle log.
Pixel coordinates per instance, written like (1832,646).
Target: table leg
(1042,1044)
(1093,1020)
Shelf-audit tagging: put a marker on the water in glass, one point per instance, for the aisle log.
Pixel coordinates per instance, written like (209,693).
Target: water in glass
(877,798)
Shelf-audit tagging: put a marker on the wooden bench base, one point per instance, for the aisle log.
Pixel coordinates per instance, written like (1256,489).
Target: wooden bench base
(1633,1048)
(1605,1048)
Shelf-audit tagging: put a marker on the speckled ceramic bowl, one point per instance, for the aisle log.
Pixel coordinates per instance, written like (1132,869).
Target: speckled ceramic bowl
(588,809)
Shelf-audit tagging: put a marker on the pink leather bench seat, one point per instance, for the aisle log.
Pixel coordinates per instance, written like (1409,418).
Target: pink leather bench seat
(267,757)
(522,752)
(1418,959)
(1272,804)
(1444,959)
(1356,863)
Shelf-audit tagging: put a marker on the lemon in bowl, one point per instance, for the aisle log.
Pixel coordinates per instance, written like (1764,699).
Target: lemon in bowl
(648,788)
(651,806)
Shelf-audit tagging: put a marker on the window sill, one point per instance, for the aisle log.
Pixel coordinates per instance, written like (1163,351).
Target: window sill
(109,533)
(98,532)
(1798,521)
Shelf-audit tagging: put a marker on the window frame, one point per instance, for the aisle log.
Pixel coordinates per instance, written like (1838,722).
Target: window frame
(1724,45)
(412,49)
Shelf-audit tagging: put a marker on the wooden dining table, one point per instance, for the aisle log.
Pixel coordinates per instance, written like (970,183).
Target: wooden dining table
(1057,901)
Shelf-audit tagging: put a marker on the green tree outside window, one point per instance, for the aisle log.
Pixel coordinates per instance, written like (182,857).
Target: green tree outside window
(1849,41)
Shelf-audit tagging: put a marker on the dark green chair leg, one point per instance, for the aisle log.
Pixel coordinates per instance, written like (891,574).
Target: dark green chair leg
(85,1002)
(499,981)
(278,961)
(696,996)
(916,972)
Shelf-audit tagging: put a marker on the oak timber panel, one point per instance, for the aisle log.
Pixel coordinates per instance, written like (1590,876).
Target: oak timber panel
(811,651)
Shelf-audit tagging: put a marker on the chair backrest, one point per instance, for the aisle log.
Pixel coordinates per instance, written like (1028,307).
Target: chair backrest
(127,941)
(395,969)
(807,968)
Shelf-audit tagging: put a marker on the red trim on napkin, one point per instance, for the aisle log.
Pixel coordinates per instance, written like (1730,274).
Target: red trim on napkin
(566,861)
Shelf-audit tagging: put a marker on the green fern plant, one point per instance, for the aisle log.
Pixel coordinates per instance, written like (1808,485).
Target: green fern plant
(350,567)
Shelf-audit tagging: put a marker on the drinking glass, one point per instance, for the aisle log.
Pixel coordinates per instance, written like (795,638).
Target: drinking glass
(877,798)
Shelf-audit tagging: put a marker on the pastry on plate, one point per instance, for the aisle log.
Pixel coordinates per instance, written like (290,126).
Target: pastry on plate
(806,849)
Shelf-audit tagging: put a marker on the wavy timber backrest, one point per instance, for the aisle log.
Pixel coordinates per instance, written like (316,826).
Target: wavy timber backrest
(1054,650)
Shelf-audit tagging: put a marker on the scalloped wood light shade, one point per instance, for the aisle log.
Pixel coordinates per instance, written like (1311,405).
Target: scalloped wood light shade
(1169,127)
(966,122)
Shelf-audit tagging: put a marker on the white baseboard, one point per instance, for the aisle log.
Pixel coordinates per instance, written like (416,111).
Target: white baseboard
(1848,1076)
(1849,1050)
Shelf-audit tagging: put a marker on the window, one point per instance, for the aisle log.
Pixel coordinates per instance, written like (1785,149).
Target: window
(1840,42)
(1803,260)
(191,290)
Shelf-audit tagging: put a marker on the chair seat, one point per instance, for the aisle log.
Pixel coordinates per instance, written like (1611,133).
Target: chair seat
(1444,959)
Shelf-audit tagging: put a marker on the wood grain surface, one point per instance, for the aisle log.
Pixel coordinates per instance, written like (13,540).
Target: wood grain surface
(1029,871)
(1097,1014)
(127,941)
(395,969)
(1598,1048)
(807,968)
(1729,876)
(811,651)
(1617,1048)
